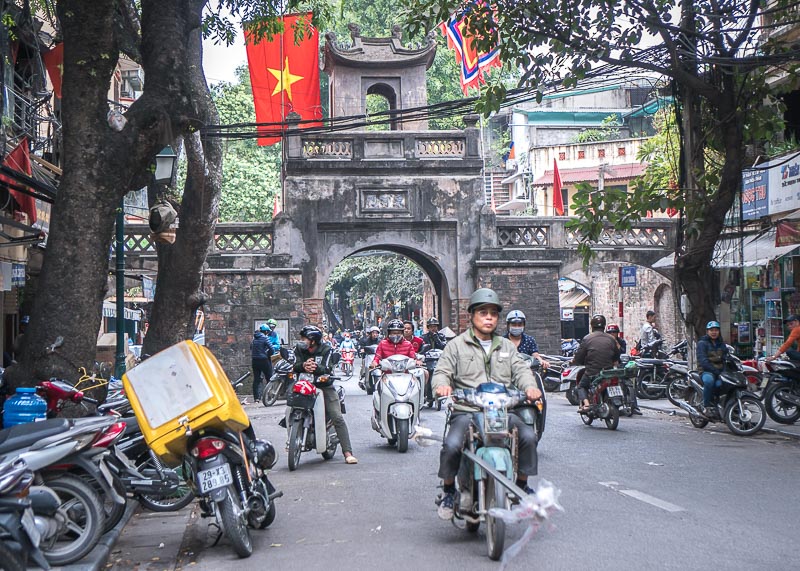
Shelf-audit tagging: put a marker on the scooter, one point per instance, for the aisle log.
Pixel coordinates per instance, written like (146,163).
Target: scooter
(282,378)
(369,378)
(398,400)
(432,357)
(570,377)
(19,536)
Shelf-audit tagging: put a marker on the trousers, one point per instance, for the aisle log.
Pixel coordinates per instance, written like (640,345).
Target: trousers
(333,411)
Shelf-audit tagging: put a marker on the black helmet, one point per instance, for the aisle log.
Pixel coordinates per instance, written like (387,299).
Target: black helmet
(395,325)
(598,322)
(311,333)
(433,321)
(266,457)
(484,296)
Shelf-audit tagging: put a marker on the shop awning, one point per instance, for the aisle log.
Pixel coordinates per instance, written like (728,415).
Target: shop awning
(110,310)
(515,204)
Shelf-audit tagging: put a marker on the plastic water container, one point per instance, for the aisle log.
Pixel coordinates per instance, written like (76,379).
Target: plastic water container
(24,406)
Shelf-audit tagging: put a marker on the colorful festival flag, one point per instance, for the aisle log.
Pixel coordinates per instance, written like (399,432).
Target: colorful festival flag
(558,201)
(472,63)
(284,76)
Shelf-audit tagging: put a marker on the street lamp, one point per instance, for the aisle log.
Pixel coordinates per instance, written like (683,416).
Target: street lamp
(165,166)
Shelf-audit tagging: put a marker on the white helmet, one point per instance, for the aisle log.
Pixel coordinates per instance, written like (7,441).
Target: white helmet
(515,315)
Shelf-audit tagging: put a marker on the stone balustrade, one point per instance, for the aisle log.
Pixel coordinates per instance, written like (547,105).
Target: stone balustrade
(229,238)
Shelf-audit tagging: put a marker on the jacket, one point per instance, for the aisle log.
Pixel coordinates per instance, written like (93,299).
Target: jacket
(260,347)
(386,349)
(526,345)
(465,364)
(435,340)
(322,356)
(711,354)
(598,351)
(274,341)
(649,334)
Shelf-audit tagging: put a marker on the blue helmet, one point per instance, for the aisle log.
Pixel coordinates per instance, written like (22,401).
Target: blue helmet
(263,328)
(713,325)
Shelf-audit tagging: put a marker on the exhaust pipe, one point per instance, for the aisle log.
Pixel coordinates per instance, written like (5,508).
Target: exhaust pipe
(689,408)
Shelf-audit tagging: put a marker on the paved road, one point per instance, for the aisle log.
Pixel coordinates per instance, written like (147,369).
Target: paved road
(656,492)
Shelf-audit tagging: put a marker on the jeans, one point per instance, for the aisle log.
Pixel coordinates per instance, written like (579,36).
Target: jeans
(333,411)
(711,382)
(260,366)
(450,456)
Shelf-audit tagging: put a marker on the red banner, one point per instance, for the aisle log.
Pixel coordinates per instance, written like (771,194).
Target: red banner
(285,77)
(558,201)
(787,233)
(54,62)
(20,160)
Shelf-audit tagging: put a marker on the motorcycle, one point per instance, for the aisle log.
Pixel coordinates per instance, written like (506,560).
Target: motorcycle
(348,358)
(540,419)
(654,366)
(19,536)
(397,400)
(741,410)
(605,398)
(552,376)
(569,347)
(308,428)
(282,378)
(782,392)
(570,377)
(369,378)
(489,438)
(431,357)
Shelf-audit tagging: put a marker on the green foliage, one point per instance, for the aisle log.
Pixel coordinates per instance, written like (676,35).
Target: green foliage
(250,174)
(390,277)
(608,131)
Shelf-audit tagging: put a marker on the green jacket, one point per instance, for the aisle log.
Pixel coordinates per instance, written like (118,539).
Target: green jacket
(464,364)
(323,358)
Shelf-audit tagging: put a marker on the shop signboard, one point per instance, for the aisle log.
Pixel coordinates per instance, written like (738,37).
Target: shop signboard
(755,202)
(774,188)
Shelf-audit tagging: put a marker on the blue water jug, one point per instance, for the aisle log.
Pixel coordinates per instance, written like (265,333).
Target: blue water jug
(25,406)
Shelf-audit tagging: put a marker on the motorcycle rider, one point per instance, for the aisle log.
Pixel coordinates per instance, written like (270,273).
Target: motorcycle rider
(598,351)
(371,337)
(460,367)
(260,353)
(711,353)
(793,323)
(273,337)
(408,335)
(394,344)
(347,342)
(613,330)
(515,323)
(313,357)
(434,338)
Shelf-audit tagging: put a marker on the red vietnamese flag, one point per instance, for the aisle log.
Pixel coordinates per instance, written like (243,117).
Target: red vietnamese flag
(284,77)
(54,62)
(20,160)
(558,202)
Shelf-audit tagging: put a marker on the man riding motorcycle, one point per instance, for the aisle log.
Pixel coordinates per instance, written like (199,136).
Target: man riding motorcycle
(613,330)
(372,337)
(460,367)
(515,322)
(598,351)
(434,338)
(711,353)
(314,357)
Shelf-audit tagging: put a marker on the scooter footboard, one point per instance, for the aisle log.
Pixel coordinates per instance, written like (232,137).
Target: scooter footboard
(495,456)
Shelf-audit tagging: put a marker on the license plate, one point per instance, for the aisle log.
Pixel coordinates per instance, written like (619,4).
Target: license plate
(564,386)
(614,391)
(29,525)
(214,478)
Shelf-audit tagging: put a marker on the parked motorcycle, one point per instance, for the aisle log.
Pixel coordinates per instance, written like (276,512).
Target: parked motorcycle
(489,438)
(369,377)
(741,410)
(306,423)
(605,398)
(570,377)
(19,536)
(569,347)
(397,401)
(654,366)
(282,378)
(782,392)
(552,376)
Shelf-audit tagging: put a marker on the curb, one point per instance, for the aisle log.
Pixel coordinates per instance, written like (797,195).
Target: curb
(683,413)
(98,557)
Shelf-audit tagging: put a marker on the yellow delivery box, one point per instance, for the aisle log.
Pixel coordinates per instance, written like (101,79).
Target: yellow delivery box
(180,390)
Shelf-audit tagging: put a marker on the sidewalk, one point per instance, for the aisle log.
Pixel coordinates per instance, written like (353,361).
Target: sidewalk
(770,427)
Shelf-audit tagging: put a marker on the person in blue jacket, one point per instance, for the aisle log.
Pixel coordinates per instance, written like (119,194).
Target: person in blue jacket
(260,353)
(273,337)
(711,353)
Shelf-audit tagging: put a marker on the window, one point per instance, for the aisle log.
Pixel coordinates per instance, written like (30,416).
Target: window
(581,154)
(562,156)
(621,152)
(601,153)
(565,200)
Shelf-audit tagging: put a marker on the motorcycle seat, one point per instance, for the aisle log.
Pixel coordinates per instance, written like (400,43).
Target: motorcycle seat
(131,424)
(24,435)
(651,361)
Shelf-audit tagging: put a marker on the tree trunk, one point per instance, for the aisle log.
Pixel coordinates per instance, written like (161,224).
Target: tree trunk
(100,166)
(179,283)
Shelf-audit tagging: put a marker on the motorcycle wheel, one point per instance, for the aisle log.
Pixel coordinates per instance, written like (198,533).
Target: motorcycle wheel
(402,435)
(645,392)
(112,511)
(271,393)
(694,400)
(271,512)
(295,445)
(677,387)
(778,410)
(235,526)
(82,510)
(182,497)
(749,419)
(9,560)
(329,453)
(587,420)
(612,420)
(495,527)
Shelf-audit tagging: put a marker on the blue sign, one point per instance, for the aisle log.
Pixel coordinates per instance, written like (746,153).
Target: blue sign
(628,276)
(755,194)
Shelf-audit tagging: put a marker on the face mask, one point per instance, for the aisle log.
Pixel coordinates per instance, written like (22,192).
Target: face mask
(303,345)
(395,338)
(272,327)
(516,331)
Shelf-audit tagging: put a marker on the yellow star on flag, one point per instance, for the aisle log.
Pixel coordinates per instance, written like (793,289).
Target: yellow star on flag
(285,79)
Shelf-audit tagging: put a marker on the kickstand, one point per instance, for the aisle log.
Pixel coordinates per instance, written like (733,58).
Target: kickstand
(219,533)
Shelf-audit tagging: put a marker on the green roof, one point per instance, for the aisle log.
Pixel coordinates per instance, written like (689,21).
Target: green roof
(576,118)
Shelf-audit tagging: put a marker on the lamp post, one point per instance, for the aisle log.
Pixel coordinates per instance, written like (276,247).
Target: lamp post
(165,166)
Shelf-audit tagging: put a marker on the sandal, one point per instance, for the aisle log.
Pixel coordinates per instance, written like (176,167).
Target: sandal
(351,460)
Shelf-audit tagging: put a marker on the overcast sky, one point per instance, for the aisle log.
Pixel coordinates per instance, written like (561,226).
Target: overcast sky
(220,61)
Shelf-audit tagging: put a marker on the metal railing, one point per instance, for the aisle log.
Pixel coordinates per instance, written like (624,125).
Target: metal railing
(229,238)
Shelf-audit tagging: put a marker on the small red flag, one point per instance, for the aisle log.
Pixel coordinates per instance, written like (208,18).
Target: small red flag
(20,160)
(558,202)
(276,209)
(284,77)
(54,62)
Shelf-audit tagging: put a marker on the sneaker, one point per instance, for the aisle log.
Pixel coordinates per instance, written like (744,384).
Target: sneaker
(445,510)
(636,411)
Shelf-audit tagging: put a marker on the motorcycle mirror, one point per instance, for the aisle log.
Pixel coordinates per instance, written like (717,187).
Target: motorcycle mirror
(284,353)
(425,348)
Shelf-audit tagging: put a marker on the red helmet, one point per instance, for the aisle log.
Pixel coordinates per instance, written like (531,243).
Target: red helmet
(613,328)
(304,388)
